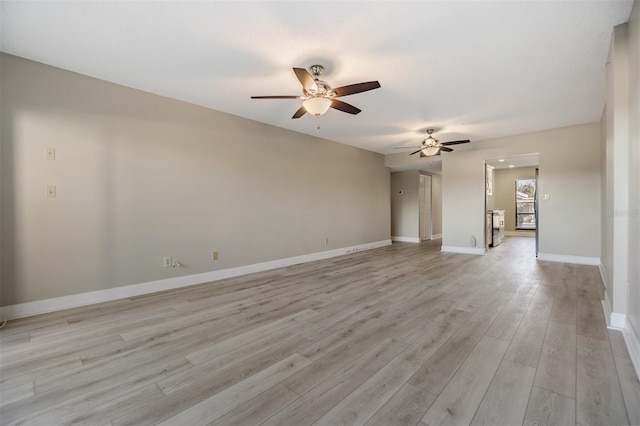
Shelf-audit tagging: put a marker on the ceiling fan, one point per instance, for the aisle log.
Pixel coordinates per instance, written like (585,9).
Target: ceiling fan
(318,96)
(432,146)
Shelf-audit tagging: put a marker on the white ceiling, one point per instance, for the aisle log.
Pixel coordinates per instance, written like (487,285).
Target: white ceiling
(472,69)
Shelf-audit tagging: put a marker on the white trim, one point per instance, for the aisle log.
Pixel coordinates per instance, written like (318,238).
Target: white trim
(606,308)
(614,320)
(463,250)
(633,345)
(436,236)
(565,258)
(75,300)
(617,321)
(621,322)
(603,275)
(406,239)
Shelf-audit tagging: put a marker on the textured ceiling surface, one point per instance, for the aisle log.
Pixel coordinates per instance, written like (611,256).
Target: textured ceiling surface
(471,69)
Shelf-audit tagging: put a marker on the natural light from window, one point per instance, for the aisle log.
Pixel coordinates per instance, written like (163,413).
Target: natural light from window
(525,208)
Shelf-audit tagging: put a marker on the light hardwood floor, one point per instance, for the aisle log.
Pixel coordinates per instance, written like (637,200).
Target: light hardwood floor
(401,335)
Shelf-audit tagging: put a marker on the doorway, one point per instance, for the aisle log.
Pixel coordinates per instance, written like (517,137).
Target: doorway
(511,208)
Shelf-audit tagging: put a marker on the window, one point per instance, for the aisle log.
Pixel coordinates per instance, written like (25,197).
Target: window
(525,209)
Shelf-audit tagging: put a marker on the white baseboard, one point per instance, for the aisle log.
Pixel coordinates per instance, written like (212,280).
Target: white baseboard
(564,258)
(75,300)
(633,345)
(614,320)
(406,239)
(603,274)
(617,321)
(606,308)
(463,250)
(620,322)
(436,236)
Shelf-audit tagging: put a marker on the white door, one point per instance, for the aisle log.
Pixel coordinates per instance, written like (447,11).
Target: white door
(425,207)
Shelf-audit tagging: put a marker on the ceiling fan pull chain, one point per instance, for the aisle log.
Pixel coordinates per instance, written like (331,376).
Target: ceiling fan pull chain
(318,128)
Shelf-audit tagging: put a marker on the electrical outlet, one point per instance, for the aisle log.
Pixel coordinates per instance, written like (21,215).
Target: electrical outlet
(215,255)
(168,262)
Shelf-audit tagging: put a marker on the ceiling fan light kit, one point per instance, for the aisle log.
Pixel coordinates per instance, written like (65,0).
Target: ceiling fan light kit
(430,151)
(317,105)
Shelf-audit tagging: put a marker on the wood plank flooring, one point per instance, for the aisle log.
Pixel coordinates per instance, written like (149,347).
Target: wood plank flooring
(401,335)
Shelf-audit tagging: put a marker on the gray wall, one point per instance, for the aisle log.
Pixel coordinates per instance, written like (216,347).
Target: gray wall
(140,177)
(504,190)
(569,170)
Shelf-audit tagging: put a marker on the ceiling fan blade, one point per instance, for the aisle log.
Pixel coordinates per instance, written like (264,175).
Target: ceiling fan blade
(344,107)
(408,147)
(306,79)
(420,150)
(445,149)
(454,142)
(356,88)
(276,97)
(422,154)
(299,113)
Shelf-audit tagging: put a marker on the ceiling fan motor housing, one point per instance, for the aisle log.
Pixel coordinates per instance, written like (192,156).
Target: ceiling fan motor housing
(430,140)
(324,89)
